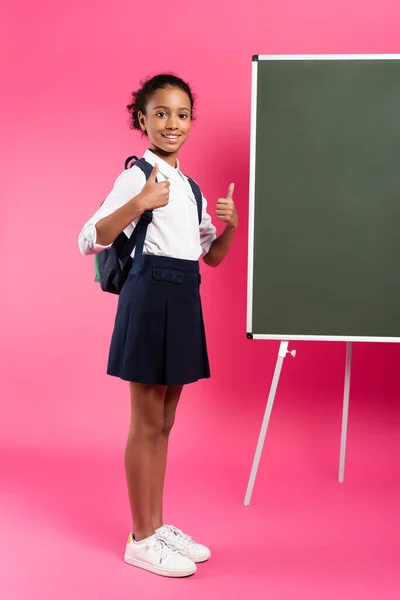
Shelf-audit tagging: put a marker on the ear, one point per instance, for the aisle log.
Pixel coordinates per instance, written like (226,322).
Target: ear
(142,121)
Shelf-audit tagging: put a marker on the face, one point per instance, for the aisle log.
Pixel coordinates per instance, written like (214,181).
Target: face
(167,122)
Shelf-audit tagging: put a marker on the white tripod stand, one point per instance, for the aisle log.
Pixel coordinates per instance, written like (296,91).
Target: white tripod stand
(283,351)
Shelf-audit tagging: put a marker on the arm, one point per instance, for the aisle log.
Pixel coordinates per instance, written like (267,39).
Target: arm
(131,196)
(226,212)
(153,195)
(109,228)
(220,247)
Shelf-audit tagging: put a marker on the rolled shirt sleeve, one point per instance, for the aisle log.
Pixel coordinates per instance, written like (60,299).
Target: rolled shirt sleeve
(208,232)
(128,185)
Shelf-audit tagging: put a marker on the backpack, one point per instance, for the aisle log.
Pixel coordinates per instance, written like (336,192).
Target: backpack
(113,264)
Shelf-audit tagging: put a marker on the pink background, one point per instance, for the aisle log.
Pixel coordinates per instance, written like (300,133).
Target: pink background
(67,71)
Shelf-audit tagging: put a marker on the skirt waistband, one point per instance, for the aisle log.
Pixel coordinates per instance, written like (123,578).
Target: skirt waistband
(165,262)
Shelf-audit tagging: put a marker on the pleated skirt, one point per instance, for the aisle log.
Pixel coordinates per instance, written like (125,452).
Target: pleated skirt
(159,335)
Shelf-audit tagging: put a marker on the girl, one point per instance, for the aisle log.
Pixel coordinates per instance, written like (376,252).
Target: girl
(158,343)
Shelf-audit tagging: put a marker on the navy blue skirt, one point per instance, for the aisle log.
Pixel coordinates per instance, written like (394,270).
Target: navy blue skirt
(159,335)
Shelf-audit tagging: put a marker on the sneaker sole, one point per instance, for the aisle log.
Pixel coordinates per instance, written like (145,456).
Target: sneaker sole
(157,570)
(201,560)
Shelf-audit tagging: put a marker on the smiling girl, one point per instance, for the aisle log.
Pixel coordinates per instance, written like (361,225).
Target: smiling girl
(158,343)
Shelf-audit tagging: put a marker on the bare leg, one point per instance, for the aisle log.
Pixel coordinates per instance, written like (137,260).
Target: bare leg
(159,466)
(147,422)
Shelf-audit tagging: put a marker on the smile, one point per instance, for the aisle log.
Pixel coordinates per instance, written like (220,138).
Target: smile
(170,136)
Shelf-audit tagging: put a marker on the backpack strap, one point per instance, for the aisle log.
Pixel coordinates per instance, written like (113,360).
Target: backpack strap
(139,233)
(143,165)
(199,197)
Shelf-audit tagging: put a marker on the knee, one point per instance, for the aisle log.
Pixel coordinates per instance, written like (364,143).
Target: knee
(147,429)
(168,424)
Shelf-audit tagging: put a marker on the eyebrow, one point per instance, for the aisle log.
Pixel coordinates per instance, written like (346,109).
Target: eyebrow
(168,108)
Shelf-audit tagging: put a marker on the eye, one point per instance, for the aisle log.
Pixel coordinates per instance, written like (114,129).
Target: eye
(184,116)
(161,114)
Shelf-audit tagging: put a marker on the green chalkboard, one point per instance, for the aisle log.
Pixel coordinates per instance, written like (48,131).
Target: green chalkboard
(324,226)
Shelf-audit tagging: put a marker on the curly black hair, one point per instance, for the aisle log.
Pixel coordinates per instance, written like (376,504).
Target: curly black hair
(141,97)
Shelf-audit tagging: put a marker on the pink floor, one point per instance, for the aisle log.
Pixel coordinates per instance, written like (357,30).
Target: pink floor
(64,515)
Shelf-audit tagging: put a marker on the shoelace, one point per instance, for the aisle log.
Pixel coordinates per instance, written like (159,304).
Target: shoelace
(163,549)
(174,534)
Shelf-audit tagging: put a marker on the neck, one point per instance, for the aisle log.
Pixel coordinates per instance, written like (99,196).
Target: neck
(168,157)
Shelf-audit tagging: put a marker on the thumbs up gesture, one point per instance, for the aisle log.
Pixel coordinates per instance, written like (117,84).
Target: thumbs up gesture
(226,210)
(155,194)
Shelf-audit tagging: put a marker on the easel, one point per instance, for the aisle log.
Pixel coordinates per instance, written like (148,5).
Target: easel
(282,353)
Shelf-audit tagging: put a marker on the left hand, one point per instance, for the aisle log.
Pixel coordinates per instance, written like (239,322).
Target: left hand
(226,210)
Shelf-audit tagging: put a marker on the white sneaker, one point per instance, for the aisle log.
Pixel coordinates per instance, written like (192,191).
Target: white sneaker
(156,555)
(184,543)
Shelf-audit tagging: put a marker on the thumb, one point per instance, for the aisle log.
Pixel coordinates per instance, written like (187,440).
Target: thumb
(153,174)
(229,195)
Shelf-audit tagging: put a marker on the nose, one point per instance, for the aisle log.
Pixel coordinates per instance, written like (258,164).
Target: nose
(172,122)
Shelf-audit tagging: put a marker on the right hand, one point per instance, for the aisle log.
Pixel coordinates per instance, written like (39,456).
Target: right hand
(154,194)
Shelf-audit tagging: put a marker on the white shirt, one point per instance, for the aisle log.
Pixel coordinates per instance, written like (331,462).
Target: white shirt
(174,230)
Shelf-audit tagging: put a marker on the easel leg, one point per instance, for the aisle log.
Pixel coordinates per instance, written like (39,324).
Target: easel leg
(283,350)
(345,415)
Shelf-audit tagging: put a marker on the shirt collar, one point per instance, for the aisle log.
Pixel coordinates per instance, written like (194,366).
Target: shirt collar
(165,169)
